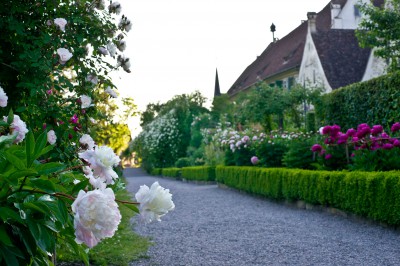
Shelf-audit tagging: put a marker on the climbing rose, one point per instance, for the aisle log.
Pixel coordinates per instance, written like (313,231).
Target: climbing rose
(3,98)
(96,216)
(155,202)
(64,54)
(87,140)
(18,127)
(51,137)
(86,101)
(60,22)
(254,160)
(101,160)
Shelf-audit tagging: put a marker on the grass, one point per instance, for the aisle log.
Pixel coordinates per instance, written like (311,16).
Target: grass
(124,247)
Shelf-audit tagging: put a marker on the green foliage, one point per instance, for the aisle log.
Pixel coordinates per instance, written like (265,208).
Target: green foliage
(373,102)
(171,172)
(34,198)
(213,155)
(377,160)
(156,171)
(310,122)
(380,29)
(168,136)
(240,157)
(271,152)
(299,154)
(183,162)
(199,173)
(369,194)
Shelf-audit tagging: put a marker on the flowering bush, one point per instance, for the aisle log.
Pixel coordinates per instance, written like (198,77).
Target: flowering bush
(365,148)
(56,183)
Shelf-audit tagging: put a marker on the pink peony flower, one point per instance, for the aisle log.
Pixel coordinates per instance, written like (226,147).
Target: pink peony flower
(387,146)
(395,127)
(328,156)
(96,216)
(101,160)
(86,101)
(316,148)
(155,202)
(377,129)
(3,98)
(60,22)
(254,160)
(51,137)
(87,140)
(326,130)
(64,55)
(18,127)
(74,119)
(351,132)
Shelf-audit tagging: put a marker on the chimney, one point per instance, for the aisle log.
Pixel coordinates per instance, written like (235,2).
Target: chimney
(312,22)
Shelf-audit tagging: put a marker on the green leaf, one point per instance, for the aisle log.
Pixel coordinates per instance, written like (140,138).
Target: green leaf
(22,173)
(7,139)
(14,160)
(7,213)
(40,144)
(42,184)
(29,148)
(10,117)
(4,236)
(49,168)
(131,206)
(44,151)
(10,259)
(80,186)
(3,123)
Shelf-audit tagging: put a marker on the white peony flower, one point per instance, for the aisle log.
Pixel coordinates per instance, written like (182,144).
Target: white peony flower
(64,55)
(97,183)
(155,202)
(111,92)
(18,127)
(112,49)
(86,101)
(51,137)
(92,120)
(92,78)
(115,8)
(60,22)
(103,50)
(87,140)
(96,216)
(101,160)
(3,98)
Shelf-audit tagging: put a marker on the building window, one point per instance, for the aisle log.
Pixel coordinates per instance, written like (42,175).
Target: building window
(290,83)
(279,83)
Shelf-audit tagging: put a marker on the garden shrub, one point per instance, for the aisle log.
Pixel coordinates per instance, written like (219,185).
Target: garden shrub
(374,102)
(171,172)
(370,194)
(271,152)
(183,162)
(156,171)
(299,154)
(199,173)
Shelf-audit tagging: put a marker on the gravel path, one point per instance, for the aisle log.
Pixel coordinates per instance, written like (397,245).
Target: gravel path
(213,226)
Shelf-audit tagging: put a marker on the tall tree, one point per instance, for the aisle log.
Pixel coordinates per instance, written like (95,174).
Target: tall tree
(380,29)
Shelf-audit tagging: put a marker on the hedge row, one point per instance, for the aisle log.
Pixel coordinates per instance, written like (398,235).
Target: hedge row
(171,172)
(199,173)
(375,195)
(376,101)
(156,171)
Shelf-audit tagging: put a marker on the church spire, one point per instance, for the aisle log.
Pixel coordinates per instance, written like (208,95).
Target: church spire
(217,92)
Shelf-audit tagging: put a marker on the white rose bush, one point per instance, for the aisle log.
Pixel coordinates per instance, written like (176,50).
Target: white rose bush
(57,184)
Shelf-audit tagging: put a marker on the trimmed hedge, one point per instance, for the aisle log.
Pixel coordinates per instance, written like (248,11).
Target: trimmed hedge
(171,172)
(375,195)
(156,171)
(376,101)
(199,173)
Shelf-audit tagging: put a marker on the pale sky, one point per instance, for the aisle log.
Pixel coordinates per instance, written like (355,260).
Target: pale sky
(175,45)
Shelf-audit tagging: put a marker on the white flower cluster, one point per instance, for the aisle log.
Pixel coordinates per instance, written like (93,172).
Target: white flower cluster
(162,133)
(3,98)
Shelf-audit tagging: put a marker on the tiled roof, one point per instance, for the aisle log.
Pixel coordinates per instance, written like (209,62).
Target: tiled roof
(342,59)
(282,55)
(279,56)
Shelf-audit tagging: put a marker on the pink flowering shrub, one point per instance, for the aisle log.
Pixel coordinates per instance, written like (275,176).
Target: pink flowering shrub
(365,148)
